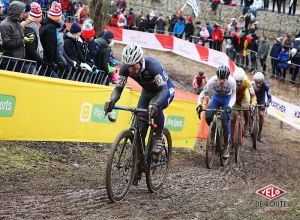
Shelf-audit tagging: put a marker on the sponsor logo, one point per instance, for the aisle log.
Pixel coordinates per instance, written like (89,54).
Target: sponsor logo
(94,113)
(271,192)
(271,203)
(7,105)
(175,123)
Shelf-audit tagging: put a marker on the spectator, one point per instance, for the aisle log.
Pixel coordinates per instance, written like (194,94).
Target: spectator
(287,41)
(137,19)
(102,57)
(214,6)
(179,27)
(11,33)
(122,22)
(71,45)
(88,33)
(197,33)
(217,37)
(210,30)
(241,23)
(266,4)
(292,6)
(152,22)
(143,25)
(34,51)
(161,24)
(83,13)
(246,43)
(48,33)
(204,35)
(253,47)
(172,22)
(130,19)
(189,29)
(199,82)
(114,20)
(257,5)
(2,16)
(247,5)
(263,50)
(276,49)
(121,5)
(277,2)
(283,65)
(66,7)
(282,3)
(295,63)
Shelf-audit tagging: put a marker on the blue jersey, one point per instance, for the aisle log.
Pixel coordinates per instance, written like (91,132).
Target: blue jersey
(262,92)
(151,78)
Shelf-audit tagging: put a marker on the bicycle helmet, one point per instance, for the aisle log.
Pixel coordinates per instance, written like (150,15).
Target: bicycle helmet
(239,74)
(132,54)
(223,72)
(259,76)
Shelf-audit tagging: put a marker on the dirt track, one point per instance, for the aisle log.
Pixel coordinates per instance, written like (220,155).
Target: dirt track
(66,181)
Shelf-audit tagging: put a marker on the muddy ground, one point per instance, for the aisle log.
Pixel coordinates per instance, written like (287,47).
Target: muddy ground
(66,180)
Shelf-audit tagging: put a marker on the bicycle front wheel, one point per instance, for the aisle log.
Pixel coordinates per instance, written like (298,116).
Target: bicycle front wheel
(254,131)
(121,166)
(210,146)
(158,165)
(238,141)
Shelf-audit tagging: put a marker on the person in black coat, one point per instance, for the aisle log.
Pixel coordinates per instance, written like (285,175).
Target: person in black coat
(161,24)
(172,22)
(276,49)
(189,29)
(102,56)
(71,45)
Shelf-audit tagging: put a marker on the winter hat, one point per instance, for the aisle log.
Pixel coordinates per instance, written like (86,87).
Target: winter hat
(189,18)
(278,40)
(108,35)
(88,31)
(35,14)
(54,12)
(75,28)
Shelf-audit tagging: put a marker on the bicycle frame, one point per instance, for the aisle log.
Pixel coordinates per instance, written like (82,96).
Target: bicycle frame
(138,141)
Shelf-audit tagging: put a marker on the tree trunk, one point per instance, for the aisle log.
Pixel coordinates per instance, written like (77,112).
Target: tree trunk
(99,13)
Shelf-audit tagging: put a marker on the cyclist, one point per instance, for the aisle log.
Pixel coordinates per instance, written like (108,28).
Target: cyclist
(222,88)
(157,93)
(245,96)
(261,89)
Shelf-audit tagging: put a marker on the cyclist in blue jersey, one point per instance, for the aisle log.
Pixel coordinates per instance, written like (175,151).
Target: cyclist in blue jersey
(261,89)
(157,93)
(221,88)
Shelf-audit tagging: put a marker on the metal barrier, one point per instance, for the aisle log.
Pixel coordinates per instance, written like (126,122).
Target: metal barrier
(69,73)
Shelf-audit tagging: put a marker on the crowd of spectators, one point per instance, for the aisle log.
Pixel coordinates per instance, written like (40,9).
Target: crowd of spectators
(26,35)
(238,39)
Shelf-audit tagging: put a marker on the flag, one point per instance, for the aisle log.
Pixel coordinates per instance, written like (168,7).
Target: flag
(194,5)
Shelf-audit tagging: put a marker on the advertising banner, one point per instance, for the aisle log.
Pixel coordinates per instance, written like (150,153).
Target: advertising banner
(285,112)
(37,108)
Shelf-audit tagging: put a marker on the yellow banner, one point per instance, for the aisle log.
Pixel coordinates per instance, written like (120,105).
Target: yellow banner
(37,108)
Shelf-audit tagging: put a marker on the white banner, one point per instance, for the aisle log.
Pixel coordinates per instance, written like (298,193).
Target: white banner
(285,112)
(195,7)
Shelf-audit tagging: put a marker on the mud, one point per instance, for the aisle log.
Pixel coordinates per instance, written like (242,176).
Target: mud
(54,180)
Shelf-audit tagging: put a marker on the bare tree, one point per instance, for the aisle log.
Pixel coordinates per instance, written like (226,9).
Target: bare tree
(99,13)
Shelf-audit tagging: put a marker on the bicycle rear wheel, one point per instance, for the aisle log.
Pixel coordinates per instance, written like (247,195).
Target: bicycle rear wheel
(210,146)
(254,130)
(121,166)
(158,165)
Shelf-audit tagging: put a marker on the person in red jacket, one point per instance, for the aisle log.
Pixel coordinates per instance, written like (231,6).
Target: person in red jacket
(199,82)
(66,7)
(217,37)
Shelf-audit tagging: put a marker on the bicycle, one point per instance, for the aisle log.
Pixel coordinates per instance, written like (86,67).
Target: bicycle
(215,141)
(253,125)
(130,156)
(238,133)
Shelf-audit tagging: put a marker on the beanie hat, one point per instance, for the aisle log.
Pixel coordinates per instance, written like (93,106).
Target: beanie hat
(54,12)
(108,35)
(75,28)
(88,31)
(35,14)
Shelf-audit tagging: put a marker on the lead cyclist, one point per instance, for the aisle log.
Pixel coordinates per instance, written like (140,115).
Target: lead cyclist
(157,93)
(222,86)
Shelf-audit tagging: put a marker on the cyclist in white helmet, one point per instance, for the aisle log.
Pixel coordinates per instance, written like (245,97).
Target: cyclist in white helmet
(245,96)
(222,90)
(157,93)
(261,88)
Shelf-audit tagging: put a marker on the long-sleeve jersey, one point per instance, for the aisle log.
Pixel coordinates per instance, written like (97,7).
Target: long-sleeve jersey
(152,78)
(226,89)
(262,92)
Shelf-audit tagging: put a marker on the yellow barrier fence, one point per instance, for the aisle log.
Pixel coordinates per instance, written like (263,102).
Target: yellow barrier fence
(37,108)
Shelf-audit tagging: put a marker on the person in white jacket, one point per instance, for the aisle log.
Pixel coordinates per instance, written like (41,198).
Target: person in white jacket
(257,5)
